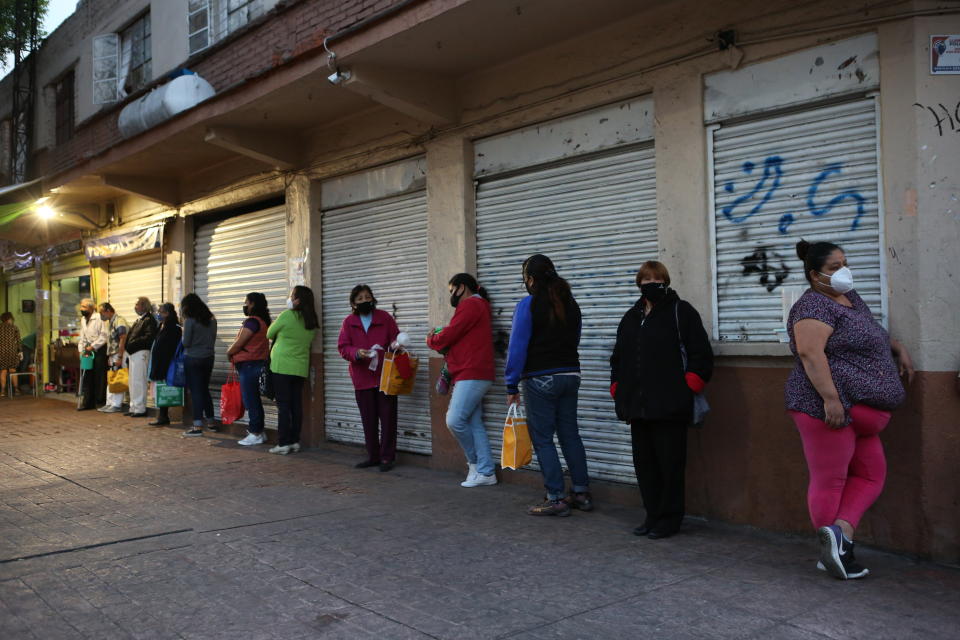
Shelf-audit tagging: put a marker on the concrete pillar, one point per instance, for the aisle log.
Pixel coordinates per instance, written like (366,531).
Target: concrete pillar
(177,248)
(683,218)
(451,249)
(303,253)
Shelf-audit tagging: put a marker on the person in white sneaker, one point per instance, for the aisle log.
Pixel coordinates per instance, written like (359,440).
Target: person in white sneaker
(249,353)
(468,344)
(117,329)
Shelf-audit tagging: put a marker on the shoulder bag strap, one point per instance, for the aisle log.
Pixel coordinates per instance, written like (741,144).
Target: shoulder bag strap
(683,349)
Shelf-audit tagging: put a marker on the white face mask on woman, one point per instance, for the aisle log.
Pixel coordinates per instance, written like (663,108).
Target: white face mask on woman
(289,303)
(841,281)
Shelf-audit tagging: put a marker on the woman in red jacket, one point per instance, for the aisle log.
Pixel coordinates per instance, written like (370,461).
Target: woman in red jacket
(364,336)
(468,342)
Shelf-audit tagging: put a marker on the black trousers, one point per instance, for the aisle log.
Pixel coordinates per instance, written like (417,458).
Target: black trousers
(289,394)
(94,389)
(660,461)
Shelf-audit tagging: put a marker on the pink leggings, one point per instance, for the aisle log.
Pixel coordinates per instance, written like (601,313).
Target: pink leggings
(847,466)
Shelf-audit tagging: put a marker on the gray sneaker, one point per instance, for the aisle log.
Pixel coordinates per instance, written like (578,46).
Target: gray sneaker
(109,408)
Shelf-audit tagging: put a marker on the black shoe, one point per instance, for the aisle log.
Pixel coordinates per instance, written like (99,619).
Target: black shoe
(386,466)
(642,530)
(853,568)
(659,534)
(582,501)
(138,415)
(85,408)
(366,464)
(158,423)
(127,414)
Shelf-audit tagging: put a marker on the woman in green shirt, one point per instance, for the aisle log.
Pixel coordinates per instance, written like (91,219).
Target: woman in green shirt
(292,333)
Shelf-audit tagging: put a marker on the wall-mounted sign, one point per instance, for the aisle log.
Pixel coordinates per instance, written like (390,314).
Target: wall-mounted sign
(945,55)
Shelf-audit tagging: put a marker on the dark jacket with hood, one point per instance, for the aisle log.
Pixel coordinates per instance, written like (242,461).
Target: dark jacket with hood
(647,366)
(164,348)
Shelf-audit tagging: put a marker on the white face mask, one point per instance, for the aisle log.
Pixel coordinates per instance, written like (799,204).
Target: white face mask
(289,303)
(841,281)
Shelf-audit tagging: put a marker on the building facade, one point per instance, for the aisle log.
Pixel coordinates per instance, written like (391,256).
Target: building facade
(225,147)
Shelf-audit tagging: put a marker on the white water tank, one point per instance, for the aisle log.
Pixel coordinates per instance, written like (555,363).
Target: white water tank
(180,94)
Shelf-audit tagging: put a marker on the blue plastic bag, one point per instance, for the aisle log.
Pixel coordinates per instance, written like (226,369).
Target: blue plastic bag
(175,375)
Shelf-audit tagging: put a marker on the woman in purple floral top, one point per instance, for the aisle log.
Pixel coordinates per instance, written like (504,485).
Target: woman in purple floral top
(840,394)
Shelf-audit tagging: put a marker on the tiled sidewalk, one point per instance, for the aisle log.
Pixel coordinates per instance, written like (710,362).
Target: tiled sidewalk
(129,531)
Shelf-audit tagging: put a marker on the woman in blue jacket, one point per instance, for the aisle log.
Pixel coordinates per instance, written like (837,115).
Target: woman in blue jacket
(543,353)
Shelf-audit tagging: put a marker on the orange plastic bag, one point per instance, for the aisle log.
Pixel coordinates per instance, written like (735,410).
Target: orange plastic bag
(398,373)
(517,448)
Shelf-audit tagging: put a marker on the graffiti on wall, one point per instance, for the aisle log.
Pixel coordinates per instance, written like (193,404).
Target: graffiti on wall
(945,120)
(769,181)
(769,264)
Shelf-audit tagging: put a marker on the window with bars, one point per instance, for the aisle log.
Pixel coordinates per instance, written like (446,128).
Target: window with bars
(199,25)
(106,68)
(64,93)
(137,55)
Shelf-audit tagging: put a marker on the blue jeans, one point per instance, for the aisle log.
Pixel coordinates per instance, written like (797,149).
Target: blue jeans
(249,372)
(465,420)
(197,373)
(552,409)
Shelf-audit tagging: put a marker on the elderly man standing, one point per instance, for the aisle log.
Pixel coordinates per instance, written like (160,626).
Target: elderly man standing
(93,339)
(117,329)
(139,342)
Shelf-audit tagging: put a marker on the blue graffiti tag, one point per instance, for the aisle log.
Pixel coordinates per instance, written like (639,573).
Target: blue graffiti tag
(771,167)
(853,195)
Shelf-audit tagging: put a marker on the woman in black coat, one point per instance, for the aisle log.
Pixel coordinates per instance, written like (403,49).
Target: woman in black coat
(654,393)
(164,348)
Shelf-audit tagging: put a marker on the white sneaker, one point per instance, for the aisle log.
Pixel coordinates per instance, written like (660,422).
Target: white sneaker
(480,480)
(109,408)
(285,449)
(471,475)
(252,439)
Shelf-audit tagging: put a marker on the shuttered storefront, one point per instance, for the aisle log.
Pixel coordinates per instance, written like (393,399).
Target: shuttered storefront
(134,276)
(381,243)
(811,174)
(233,257)
(595,217)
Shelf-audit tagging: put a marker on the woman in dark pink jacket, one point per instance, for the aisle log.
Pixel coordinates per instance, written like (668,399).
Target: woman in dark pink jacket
(365,334)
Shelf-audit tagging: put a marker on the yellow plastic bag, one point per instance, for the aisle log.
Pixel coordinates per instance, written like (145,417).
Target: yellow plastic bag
(118,381)
(398,373)
(517,449)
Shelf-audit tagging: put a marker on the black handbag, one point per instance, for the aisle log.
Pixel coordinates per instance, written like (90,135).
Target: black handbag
(266,379)
(700,405)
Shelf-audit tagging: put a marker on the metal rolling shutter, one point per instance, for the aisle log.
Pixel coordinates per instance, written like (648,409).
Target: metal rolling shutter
(134,276)
(779,179)
(394,264)
(596,219)
(232,258)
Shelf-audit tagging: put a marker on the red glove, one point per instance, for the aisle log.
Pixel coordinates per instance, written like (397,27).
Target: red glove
(613,391)
(695,382)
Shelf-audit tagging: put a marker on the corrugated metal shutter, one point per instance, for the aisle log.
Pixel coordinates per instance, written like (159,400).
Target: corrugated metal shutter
(382,243)
(232,258)
(134,276)
(131,277)
(811,174)
(596,218)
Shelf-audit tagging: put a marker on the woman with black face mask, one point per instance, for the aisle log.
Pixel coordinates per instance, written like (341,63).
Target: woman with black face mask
(654,393)
(364,336)
(468,344)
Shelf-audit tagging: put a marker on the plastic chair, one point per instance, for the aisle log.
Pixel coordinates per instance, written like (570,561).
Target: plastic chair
(14,378)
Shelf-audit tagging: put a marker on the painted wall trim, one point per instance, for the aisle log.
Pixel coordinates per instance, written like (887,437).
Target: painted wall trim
(373,184)
(845,67)
(613,125)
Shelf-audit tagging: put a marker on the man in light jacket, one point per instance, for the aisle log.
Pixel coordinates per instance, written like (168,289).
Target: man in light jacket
(93,339)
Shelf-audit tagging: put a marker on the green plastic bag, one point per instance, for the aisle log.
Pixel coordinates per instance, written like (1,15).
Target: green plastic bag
(168,395)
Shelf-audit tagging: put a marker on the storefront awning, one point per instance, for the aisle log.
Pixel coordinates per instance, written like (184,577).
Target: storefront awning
(124,244)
